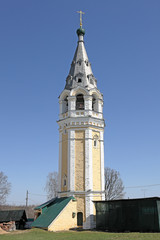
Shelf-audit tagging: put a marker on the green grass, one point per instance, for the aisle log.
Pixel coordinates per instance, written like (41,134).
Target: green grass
(37,234)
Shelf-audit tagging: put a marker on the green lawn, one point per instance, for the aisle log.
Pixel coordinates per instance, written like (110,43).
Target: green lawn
(36,234)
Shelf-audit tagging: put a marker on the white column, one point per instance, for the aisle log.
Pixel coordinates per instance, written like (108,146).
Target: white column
(100,105)
(88,103)
(71,106)
(60,162)
(71,160)
(89,224)
(88,160)
(102,162)
(71,103)
(88,179)
(60,106)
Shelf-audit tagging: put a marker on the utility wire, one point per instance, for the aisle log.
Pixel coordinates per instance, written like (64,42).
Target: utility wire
(15,202)
(153,185)
(36,194)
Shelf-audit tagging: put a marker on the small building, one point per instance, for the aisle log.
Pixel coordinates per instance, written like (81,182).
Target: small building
(29,222)
(128,215)
(57,214)
(18,216)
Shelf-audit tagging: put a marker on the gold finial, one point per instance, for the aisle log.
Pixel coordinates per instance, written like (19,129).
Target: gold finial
(80,12)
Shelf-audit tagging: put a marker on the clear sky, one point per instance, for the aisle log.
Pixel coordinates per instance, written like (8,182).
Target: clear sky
(37,43)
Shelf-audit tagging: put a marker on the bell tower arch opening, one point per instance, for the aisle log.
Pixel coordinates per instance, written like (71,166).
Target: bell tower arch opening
(79,102)
(65,105)
(94,103)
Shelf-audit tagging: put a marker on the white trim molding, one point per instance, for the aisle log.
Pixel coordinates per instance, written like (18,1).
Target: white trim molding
(102,159)
(88,160)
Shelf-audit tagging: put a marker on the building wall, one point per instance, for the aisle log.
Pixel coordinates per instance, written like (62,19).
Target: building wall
(97,197)
(65,220)
(78,155)
(64,161)
(81,206)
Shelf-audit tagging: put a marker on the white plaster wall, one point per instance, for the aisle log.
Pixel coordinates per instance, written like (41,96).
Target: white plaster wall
(88,160)
(88,102)
(89,224)
(60,106)
(100,105)
(88,179)
(71,103)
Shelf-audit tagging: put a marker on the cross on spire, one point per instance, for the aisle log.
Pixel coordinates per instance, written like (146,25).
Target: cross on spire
(80,12)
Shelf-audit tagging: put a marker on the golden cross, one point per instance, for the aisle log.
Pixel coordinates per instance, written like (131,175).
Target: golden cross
(80,12)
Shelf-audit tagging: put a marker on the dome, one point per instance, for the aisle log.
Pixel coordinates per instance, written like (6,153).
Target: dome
(80,31)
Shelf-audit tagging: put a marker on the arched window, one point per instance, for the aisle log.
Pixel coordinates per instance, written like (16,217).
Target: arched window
(64,180)
(95,141)
(65,105)
(79,102)
(93,104)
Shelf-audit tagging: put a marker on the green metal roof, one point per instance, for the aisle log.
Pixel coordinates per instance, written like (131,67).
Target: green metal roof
(12,215)
(51,211)
(45,204)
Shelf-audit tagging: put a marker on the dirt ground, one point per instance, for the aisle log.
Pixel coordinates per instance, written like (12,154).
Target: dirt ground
(13,232)
(2,231)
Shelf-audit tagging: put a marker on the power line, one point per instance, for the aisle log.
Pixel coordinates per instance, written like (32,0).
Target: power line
(15,202)
(153,185)
(35,202)
(36,194)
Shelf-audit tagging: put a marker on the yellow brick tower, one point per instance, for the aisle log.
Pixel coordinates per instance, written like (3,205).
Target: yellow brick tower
(81,142)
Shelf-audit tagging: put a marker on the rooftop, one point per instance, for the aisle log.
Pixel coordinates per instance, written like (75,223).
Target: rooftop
(51,210)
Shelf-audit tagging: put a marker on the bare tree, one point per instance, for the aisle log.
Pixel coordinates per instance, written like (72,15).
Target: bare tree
(5,187)
(52,185)
(114,188)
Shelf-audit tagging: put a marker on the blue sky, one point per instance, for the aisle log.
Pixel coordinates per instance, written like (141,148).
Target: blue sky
(37,44)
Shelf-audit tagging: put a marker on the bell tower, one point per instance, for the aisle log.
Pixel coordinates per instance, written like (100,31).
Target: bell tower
(81,142)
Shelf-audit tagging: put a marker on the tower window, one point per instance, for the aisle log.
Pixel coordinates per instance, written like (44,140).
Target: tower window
(95,143)
(79,102)
(64,181)
(86,63)
(64,131)
(91,81)
(93,104)
(79,80)
(65,105)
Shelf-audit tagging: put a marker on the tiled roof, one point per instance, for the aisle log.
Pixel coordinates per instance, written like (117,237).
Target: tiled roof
(51,211)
